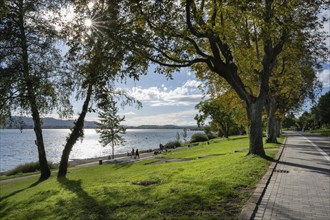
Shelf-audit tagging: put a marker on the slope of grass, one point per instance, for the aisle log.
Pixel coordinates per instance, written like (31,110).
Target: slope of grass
(322,131)
(214,187)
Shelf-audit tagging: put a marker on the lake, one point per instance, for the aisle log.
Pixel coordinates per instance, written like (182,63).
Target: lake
(17,148)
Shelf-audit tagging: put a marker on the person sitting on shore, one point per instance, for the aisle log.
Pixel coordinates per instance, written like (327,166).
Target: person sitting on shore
(162,147)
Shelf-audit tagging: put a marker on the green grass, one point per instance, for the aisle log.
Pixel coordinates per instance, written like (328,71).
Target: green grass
(5,177)
(323,131)
(214,187)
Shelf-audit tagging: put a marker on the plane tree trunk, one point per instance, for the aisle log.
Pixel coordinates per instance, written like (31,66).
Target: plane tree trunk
(271,107)
(254,113)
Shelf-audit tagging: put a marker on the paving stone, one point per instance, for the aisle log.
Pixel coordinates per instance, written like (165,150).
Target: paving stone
(302,189)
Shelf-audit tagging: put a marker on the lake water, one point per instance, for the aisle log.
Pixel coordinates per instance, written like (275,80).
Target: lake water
(17,148)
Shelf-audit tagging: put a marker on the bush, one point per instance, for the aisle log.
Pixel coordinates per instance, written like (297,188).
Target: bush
(28,168)
(212,136)
(198,137)
(173,144)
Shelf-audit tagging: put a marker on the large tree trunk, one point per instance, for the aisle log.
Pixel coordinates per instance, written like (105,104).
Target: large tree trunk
(76,133)
(224,130)
(271,107)
(278,127)
(44,169)
(254,113)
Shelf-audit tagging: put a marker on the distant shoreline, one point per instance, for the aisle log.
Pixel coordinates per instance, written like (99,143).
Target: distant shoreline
(128,127)
(51,123)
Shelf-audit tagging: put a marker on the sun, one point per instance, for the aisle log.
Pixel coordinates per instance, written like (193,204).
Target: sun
(88,23)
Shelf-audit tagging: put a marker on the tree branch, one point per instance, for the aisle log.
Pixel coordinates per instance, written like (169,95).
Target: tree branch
(187,64)
(189,24)
(214,14)
(197,48)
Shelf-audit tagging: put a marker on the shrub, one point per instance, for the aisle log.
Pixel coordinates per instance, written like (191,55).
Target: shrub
(173,144)
(28,168)
(198,137)
(212,136)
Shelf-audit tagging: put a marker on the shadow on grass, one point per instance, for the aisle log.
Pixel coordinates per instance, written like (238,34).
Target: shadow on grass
(219,202)
(85,205)
(118,166)
(21,190)
(235,138)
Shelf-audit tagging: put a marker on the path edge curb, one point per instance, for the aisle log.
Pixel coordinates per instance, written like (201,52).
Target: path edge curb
(250,208)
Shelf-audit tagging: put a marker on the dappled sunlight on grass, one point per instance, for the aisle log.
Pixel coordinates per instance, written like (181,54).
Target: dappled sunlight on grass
(206,187)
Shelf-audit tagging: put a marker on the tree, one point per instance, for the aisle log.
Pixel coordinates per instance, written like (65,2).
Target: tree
(239,41)
(315,117)
(109,127)
(29,65)
(289,121)
(294,80)
(324,109)
(178,137)
(214,109)
(98,57)
(305,121)
(184,134)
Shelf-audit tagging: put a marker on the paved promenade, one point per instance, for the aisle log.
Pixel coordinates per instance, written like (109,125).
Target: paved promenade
(300,185)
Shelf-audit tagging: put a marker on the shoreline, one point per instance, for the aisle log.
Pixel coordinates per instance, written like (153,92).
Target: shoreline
(76,162)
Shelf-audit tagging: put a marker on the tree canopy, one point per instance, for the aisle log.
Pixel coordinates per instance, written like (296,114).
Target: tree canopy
(30,66)
(239,41)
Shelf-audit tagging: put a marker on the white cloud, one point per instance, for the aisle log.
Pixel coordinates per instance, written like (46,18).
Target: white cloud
(176,118)
(186,95)
(192,83)
(126,113)
(324,77)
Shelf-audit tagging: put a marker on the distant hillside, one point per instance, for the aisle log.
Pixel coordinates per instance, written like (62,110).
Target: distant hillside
(162,127)
(27,123)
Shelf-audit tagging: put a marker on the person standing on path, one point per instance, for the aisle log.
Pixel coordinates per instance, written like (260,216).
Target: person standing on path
(132,152)
(137,155)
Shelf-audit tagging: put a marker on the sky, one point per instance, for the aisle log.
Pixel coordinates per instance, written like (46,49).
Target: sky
(164,101)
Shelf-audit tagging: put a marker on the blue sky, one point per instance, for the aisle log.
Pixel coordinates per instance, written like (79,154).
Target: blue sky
(164,101)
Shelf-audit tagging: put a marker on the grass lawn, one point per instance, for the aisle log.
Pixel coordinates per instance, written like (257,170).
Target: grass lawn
(203,187)
(323,131)
(5,177)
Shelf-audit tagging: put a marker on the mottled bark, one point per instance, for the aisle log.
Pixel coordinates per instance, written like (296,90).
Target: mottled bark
(254,112)
(271,107)
(278,128)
